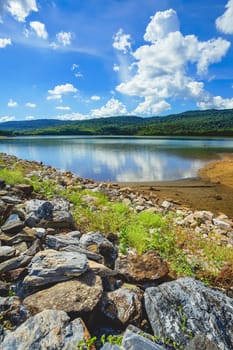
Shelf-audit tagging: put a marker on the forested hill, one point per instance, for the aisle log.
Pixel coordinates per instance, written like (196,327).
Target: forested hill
(191,123)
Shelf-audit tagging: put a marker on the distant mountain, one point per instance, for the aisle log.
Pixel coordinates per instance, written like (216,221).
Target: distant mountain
(199,123)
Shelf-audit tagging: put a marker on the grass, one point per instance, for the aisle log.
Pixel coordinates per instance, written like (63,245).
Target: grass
(142,231)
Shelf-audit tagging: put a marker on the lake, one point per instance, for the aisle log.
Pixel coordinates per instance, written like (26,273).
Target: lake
(122,159)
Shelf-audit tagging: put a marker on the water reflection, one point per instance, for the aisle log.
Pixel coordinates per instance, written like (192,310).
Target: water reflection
(120,159)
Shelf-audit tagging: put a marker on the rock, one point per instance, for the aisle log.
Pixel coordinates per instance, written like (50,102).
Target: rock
(50,266)
(13,313)
(89,254)
(78,295)
(109,346)
(6,252)
(13,227)
(21,247)
(201,342)
(166,205)
(11,199)
(25,189)
(186,307)
(15,263)
(100,269)
(97,243)
(133,340)
(143,268)
(24,236)
(4,289)
(225,277)
(49,329)
(2,184)
(123,305)
(222,224)
(63,240)
(40,208)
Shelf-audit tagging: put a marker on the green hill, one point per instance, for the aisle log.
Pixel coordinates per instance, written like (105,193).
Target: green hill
(191,123)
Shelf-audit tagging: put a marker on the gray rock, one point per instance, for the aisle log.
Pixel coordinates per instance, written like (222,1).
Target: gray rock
(97,243)
(15,263)
(109,346)
(4,289)
(40,208)
(11,199)
(6,252)
(186,307)
(90,255)
(123,305)
(63,240)
(49,329)
(78,295)
(50,266)
(133,340)
(12,311)
(201,342)
(13,227)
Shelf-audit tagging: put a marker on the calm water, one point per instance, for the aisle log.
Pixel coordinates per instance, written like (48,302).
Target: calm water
(120,158)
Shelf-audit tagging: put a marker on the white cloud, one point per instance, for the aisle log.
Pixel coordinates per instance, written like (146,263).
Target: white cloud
(6,119)
(160,68)
(116,68)
(112,108)
(4,42)
(29,117)
(12,103)
(30,105)
(59,90)
(161,24)
(95,98)
(73,116)
(19,9)
(216,102)
(63,108)
(63,39)
(225,22)
(39,29)
(122,42)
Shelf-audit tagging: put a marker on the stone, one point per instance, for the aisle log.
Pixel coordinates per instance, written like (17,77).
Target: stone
(13,227)
(166,205)
(109,346)
(25,189)
(90,255)
(201,342)
(4,289)
(2,184)
(12,311)
(133,340)
(49,329)
(222,224)
(11,200)
(51,266)
(40,208)
(100,269)
(78,295)
(97,243)
(6,252)
(124,305)
(225,277)
(143,268)
(14,263)
(63,240)
(187,307)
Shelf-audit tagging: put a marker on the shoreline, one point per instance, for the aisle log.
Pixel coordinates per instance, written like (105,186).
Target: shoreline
(211,190)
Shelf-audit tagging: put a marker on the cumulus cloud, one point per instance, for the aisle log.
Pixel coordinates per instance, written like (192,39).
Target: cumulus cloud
(59,90)
(73,116)
(122,42)
(19,9)
(39,29)
(63,108)
(6,119)
(95,98)
(225,22)
(30,105)
(112,108)
(63,39)
(12,103)
(4,42)
(216,102)
(160,69)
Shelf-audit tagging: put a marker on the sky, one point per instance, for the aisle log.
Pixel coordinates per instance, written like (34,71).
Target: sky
(82,59)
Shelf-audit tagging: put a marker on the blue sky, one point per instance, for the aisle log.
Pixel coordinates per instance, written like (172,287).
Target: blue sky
(80,59)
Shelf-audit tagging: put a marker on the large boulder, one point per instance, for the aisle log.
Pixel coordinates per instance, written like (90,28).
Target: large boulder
(63,240)
(148,267)
(78,295)
(183,308)
(97,243)
(49,329)
(50,266)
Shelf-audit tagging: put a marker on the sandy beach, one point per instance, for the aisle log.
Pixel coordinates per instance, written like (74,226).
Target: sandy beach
(211,190)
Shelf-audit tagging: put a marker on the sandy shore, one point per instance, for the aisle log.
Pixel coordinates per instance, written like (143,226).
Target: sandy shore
(211,190)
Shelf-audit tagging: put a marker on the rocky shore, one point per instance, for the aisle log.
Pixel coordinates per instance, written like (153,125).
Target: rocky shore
(61,287)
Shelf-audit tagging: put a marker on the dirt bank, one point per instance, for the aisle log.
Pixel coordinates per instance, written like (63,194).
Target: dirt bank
(212,190)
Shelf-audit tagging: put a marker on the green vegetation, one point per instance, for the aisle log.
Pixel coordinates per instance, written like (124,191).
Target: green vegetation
(191,123)
(94,211)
